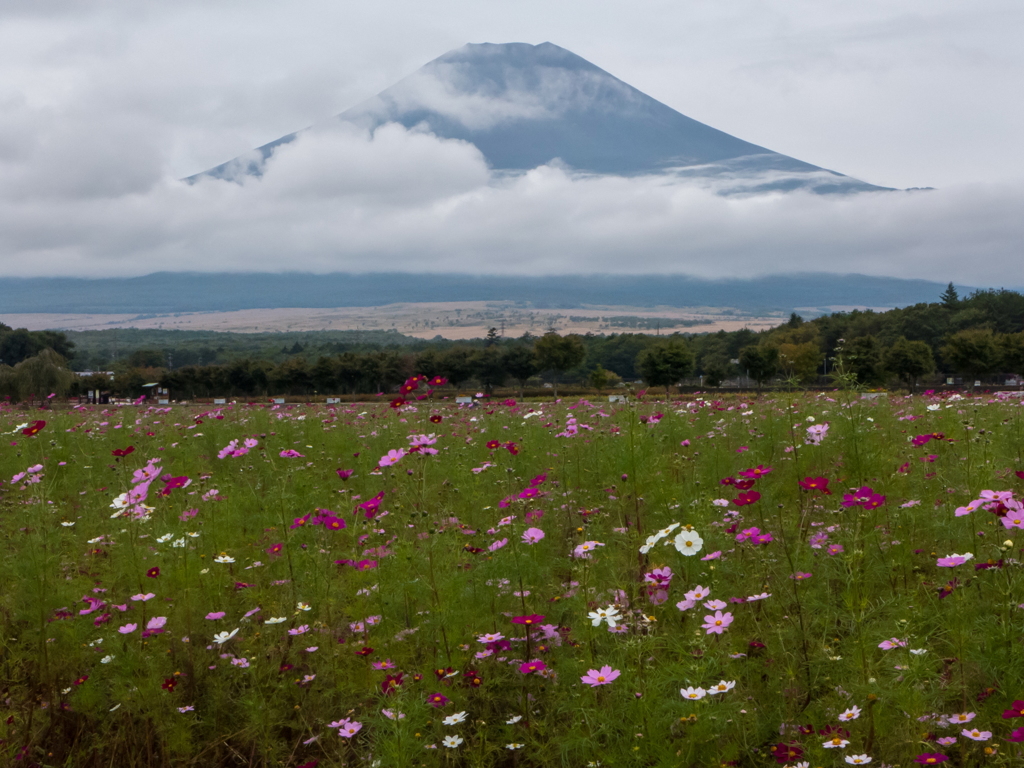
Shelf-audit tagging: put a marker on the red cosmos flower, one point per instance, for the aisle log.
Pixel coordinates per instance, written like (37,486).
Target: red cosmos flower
(441,674)
(391,684)
(437,381)
(816,484)
(1020,473)
(512,448)
(274,549)
(437,699)
(371,506)
(80,680)
(123,451)
(436,418)
(1017,710)
(472,678)
(783,753)
(34,428)
(748,497)
(743,485)
(345,474)
(492,444)
(364,651)
(153,572)
(757,472)
(530,620)
(169,684)
(472,550)
(931,758)
(727,481)
(397,403)
(409,386)
(333,523)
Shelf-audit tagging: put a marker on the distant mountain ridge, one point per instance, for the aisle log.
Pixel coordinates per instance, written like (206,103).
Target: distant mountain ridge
(169,292)
(527,105)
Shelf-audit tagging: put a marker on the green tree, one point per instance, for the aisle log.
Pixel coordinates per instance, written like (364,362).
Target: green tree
(973,352)
(760,362)
(863,358)
(1011,352)
(38,376)
(908,360)
(665,363)
(520,363)
(800,360)
(559,354)
(950,298)
(456,364)
(488,366)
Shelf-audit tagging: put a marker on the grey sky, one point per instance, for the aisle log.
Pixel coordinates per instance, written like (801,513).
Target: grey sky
(104,104)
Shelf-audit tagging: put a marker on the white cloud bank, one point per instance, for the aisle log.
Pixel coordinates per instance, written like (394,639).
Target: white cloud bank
(343,200)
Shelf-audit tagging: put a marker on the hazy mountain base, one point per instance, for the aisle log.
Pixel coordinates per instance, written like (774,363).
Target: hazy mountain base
(170,292)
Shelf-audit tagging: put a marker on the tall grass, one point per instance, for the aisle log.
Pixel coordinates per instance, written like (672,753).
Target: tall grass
(378,616)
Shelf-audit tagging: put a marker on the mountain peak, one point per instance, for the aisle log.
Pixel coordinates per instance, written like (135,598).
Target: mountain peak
(526,105)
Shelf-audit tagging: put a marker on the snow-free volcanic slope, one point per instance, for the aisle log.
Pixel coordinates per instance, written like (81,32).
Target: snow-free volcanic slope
(524,106)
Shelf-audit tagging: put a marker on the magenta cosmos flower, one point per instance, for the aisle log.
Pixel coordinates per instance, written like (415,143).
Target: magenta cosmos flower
(602,676)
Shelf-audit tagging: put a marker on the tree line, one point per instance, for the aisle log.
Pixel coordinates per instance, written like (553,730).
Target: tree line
(975,337)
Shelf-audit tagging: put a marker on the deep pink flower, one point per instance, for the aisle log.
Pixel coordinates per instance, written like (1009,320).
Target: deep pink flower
(437,699)
(931,758)
(748,497)
(757,472)
(529,621)
(532,666)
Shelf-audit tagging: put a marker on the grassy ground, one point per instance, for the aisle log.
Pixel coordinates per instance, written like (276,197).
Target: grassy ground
(501,602)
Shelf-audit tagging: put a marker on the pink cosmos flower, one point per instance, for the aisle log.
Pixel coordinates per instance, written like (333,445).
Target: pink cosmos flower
(290,454)
(214,615)
(953,560)
(127,629)
(392,457)
(532,535)
(495,546)
(348,729)
(602,676)
(157,622)
(718,623)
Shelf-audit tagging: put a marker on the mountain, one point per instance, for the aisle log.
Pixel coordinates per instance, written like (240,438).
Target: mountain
(170,292)
(528,105)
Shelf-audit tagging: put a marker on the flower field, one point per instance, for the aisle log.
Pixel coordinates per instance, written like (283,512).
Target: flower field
(794,579)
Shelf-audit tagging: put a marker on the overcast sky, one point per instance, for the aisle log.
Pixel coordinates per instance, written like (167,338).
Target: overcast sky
(104,104)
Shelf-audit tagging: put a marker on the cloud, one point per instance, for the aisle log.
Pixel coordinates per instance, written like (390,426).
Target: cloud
(404,200)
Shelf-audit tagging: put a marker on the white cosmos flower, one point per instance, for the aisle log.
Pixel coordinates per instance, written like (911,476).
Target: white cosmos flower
(513,720)
(276,620)
(857,759)
(223,559)
(66,524)
(452,741)
(107,659)
(301,606)
(688,543)
(222,637)
(455,719)
(166,537)
(609,614)
(919,651)
(693,693)
(722,687)
(178,543)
